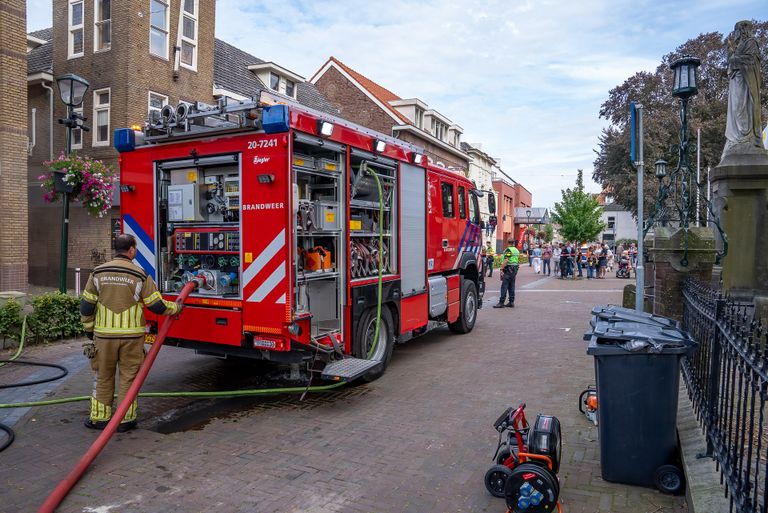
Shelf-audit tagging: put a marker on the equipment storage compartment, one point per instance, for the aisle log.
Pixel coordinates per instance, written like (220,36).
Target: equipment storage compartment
(198,215)
(372,215)
(318,173)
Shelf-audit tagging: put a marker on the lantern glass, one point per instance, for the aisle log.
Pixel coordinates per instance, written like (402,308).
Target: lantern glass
(72,89)
(684,81)
(661,168)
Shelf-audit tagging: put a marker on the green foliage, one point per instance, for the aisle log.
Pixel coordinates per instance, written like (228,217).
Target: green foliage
(10,320)
(522,259)
(661,119)
(626,242)
(578,214)
(549,233)
(55,316)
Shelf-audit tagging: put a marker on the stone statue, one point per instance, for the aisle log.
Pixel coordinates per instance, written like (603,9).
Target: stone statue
(743,130)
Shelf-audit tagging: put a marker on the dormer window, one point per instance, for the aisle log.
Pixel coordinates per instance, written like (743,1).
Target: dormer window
(290,88)
(274,81)
(419,117)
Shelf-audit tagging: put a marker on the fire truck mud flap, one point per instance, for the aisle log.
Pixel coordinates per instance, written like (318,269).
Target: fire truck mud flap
(349,369)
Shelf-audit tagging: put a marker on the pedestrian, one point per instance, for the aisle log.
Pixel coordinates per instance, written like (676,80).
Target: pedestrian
(568,260)
(545,258)
(510,264)
(112,312)
(591,263)
(536,253)
(556,252)
(581,261)
(609,255)
(489,258)
(602,261)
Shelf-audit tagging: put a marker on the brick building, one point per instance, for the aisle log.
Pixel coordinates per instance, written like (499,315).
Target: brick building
(510,196)
(13,146)
(138,56)
(363,101)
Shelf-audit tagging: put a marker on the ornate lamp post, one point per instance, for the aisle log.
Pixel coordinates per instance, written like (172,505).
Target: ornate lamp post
(682,179)
(72,89)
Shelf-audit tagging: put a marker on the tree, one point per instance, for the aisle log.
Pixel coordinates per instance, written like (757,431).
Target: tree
(578,214)
(612,167)
(549,232)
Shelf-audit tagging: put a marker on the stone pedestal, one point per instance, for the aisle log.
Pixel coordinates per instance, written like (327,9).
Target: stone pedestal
(740,189)
(666,273)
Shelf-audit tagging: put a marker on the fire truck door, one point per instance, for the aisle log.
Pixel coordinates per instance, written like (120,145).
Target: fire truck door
(266,236)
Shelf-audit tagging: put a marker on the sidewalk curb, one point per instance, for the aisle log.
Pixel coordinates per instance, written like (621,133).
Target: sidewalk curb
(704,493)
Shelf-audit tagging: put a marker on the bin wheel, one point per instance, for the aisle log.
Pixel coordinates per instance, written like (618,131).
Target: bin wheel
(496,480)
(669,479)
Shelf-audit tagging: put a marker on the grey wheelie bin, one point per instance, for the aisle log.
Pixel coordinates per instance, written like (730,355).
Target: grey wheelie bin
(637,358)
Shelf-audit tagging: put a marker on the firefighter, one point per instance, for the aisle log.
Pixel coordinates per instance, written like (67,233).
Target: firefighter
(112,312)
(510,264)
(489,258)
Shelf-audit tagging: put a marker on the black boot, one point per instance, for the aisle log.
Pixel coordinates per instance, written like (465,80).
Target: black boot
(499,305)
(511,304)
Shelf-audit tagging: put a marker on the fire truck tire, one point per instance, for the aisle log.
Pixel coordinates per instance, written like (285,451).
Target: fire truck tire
(364,337)
(468,311)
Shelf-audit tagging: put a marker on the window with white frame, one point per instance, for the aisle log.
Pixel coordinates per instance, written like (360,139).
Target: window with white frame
(101,101)
(156,103)
(188,34)
(76,15)
(274,81)
(158,28)
(290,88)
(77,133)
(102,25)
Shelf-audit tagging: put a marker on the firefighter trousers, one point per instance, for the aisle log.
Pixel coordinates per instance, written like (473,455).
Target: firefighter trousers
(122,355)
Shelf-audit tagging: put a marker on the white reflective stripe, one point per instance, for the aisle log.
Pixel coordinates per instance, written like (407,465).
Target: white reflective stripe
(96,283)
(265,256)
(137,292)
(269,284)
(281,301)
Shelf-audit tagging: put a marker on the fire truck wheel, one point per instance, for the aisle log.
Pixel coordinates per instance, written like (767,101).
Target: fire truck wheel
(366,329)
(468,313)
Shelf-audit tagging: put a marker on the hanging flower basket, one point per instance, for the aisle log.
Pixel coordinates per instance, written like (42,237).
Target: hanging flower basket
(89,181)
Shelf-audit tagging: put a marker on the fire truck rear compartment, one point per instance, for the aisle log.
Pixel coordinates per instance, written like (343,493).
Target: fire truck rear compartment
(199,224)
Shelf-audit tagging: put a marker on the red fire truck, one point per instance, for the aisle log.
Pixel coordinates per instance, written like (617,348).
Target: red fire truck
(310,234)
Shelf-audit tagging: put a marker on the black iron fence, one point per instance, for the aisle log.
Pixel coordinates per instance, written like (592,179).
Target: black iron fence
(727,382)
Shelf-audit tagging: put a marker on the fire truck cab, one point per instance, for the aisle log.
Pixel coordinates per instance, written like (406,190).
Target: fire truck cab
(311,234)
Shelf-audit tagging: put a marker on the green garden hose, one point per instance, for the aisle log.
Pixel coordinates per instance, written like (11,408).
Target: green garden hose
(381,264)
(21,343)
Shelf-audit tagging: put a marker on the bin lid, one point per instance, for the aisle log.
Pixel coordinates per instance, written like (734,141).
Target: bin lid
(619,313)
(634,337)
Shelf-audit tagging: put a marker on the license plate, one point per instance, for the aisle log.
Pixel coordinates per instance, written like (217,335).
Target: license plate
(149,338)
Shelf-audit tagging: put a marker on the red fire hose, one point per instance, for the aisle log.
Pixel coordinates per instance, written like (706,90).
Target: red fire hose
(63,488)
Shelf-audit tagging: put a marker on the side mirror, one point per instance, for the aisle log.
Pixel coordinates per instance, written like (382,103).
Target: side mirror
(491,203)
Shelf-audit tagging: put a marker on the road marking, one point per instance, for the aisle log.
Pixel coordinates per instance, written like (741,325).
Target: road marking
(566,329)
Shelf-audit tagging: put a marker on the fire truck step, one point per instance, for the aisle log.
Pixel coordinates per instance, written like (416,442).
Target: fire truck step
(348,369)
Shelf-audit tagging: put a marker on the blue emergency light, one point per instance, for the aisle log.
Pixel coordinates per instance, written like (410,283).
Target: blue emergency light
(125,139)
(274,119)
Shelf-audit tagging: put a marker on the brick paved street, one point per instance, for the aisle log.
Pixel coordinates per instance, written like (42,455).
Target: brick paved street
(418,440)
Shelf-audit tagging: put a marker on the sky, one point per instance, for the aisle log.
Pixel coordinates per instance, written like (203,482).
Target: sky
(525,79)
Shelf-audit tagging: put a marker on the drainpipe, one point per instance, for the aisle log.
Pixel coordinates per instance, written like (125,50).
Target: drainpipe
(50,122)
(31,145)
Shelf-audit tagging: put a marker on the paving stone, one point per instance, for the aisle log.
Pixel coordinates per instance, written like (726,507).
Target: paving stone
(418,439)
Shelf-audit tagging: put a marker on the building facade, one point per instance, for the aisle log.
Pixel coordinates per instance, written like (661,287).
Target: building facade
(138,56)
(510,196)
(13,146)
(481,172)
(363,101)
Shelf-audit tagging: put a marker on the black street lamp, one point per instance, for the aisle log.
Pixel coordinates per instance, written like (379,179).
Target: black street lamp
(72,89)
(684,87)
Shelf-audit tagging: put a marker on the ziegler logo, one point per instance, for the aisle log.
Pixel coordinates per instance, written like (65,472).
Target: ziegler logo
(263,206)
(260,160)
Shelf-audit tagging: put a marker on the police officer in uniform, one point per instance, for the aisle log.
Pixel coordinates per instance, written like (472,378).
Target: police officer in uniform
(510,264)
(112,312)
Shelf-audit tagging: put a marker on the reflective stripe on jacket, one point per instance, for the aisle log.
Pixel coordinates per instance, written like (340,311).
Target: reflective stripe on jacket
(112,304)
